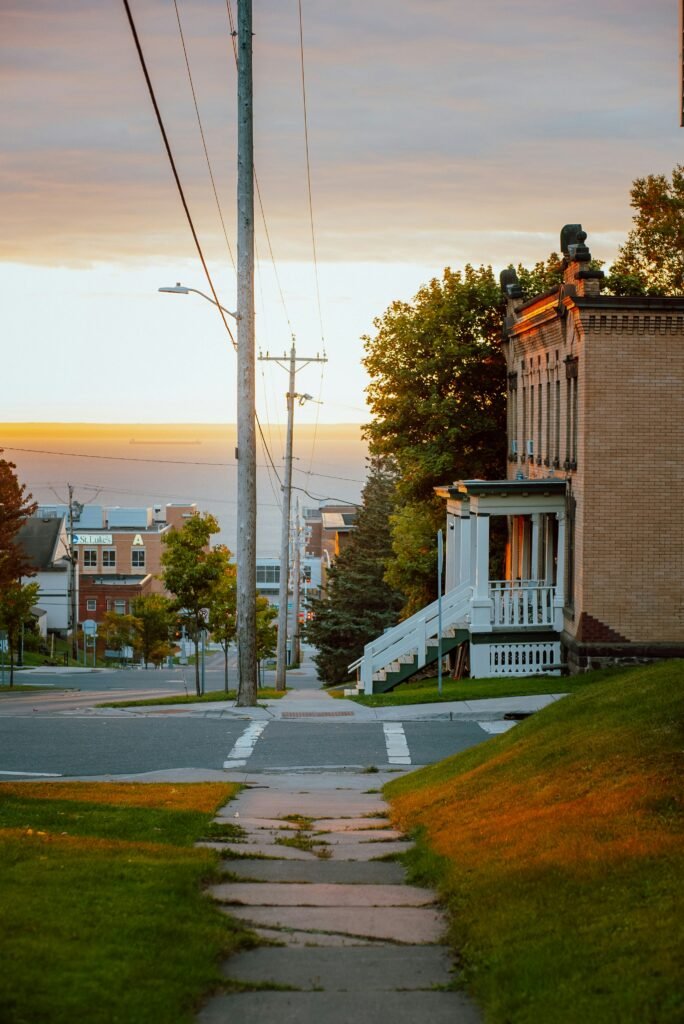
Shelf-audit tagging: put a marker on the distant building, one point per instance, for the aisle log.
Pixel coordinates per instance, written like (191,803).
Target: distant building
(46,546)
(327,531)
(118,552)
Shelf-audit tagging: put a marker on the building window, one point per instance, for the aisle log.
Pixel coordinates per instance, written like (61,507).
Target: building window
(120,607)
(268,573)
(109,559)
(138,558)
(531,437)
(538,447)
(90,558)
(571,412)
(575,408)
(91,604)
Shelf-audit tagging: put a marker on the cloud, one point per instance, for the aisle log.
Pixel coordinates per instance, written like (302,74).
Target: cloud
(433,126)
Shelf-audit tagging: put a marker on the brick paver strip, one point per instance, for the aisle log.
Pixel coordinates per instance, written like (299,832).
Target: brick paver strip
(408,925)
(269,894)
(340,1008)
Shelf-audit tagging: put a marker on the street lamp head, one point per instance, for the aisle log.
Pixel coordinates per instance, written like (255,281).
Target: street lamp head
(178,289)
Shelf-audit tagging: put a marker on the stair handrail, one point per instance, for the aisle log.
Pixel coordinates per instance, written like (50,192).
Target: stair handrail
(454,601)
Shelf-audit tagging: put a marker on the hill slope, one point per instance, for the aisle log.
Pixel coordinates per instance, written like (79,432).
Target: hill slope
(558,848)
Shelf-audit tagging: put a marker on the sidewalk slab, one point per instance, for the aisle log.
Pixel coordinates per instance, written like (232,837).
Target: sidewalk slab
(368,851)
(314,871)
(340,1008)
(350,969)
(289,938)
(374,836)
(268,804)
(405,925)
(290,894)
(352,824)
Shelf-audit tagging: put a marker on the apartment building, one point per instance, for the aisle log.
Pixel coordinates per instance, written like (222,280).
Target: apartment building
(592,498)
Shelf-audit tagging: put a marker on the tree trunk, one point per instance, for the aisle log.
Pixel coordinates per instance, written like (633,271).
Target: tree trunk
(10,649)
(225,667)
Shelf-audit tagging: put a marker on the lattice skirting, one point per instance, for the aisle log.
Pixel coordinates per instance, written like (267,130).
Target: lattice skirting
(519,659)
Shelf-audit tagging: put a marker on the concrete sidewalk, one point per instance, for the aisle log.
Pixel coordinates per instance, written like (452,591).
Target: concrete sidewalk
(353,941)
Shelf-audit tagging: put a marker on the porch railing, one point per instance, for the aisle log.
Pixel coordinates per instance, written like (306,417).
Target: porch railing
(522,602)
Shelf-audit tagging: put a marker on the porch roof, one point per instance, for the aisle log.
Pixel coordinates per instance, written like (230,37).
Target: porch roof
(504,497)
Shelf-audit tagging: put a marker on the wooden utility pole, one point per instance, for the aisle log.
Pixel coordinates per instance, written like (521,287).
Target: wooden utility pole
(296,589)
(286,487)
(246,415)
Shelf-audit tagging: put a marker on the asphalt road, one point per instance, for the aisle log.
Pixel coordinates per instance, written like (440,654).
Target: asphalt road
(61,732)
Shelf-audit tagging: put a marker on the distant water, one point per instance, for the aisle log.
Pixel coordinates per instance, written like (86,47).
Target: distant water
(146,464)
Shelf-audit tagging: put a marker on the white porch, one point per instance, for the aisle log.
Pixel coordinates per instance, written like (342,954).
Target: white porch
(511,619)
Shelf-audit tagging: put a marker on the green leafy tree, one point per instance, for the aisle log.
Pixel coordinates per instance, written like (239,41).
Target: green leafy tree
(651,262)
(437,395)
(266,629)
(154,617)
(223,614)
(16,601)
(191,570)
(358,604)
(119,631)
(15,508)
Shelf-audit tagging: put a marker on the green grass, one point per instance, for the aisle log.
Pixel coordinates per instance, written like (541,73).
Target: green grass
(424,691)
(265,693)
(104,918)
(558,850)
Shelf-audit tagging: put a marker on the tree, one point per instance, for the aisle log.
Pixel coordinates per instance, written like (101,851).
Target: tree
(119,631)
(16,601)
(266,629)
(223,614)
(15,508)
(437,395)
(190,571)
(651,262)
(358,603)
(153,616)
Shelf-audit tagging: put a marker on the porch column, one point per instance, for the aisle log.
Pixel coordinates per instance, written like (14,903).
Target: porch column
(464,569)
(452,554)
(559,595)
(481,605)
(548,547)
(534,556)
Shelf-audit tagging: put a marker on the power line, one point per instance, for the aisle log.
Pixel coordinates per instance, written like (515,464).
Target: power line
(204,141)
(167,145)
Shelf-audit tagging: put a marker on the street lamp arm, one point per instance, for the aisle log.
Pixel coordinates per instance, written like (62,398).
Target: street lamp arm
(180,289)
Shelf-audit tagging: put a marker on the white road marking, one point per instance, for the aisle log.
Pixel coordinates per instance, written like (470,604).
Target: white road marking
(37,775)
(244,745)
(395,741)
(496,727)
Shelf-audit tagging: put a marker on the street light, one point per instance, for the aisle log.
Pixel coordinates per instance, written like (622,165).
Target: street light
(181,289)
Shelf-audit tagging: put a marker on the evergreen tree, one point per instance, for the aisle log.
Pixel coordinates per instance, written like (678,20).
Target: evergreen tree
(358,604)
(15,508)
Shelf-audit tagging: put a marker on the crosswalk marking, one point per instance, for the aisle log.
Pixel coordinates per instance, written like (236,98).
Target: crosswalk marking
(244,745)
(395,741)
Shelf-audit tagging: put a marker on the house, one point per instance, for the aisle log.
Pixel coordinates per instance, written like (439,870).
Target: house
(45,544)
(592,499)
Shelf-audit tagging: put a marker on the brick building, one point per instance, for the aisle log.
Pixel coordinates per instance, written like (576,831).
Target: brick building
(118,552)
(592,499)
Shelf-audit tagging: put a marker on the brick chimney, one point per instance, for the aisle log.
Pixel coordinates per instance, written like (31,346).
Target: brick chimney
(576,270)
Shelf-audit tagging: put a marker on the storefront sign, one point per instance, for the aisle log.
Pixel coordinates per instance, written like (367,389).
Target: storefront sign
(92,538)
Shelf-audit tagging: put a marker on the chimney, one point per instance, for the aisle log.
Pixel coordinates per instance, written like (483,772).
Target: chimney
(576,270)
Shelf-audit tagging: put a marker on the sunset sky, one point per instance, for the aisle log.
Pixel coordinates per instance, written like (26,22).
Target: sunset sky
(441,132)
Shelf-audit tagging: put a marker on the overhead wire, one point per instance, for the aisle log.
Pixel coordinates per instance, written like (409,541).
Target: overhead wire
(167,145)
(201,129)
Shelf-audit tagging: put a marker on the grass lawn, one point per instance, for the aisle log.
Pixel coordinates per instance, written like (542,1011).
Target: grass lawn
(103,916)
(558,850)
(264,693)
(424,691)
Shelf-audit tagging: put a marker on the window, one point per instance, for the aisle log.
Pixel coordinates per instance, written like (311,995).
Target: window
(138,558)
(91,604)
(531,437)
(575,408)
(109,559)
(90,558)
(538,445)
(547,446)
(268,574)
(556,457)
(120,607)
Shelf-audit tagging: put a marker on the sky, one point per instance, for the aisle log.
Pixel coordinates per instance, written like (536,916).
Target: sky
(441,132)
